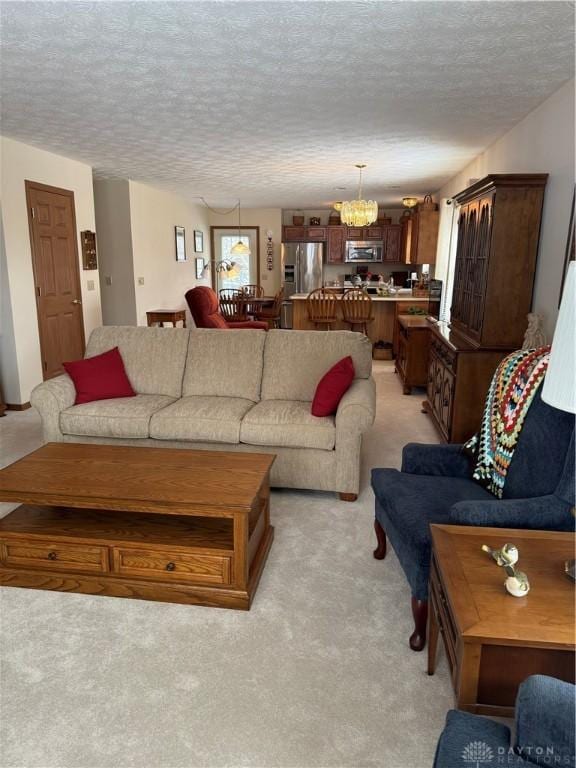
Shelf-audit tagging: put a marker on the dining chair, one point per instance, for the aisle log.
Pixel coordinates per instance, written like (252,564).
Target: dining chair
(357,309)
(321,306)
(233,304)
(253,290)
(271,313)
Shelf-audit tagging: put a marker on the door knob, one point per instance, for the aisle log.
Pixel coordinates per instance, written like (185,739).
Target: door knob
(76,301)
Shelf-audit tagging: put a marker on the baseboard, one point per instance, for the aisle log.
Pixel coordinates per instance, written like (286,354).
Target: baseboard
(18,406)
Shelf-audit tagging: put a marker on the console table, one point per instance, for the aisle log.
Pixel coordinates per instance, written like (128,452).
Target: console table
(162,316)
(494,641)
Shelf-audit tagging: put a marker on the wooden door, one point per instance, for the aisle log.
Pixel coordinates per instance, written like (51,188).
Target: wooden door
(480,266)
(54,244)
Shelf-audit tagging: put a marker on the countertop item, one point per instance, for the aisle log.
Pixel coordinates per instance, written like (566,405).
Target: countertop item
(398,297)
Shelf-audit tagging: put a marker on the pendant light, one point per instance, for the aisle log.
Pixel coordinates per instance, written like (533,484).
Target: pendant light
(359,213)
(240,249)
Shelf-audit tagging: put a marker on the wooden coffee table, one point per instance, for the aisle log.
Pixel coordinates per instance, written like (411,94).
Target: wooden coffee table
(162,524)
(494,641)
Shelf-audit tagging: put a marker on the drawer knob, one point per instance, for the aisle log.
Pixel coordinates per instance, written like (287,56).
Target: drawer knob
(446,402)
(52,555)
(170,567)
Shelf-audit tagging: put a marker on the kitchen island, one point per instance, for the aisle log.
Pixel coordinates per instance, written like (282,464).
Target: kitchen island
(384,308)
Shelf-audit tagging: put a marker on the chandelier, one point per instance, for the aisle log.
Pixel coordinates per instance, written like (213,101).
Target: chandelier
(359,213)
(240,248)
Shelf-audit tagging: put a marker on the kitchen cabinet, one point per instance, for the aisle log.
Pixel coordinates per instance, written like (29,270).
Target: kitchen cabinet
(406,308)
(335,244)
(420,234)
(292,234)
(373,232)
(412,357)
(392,237)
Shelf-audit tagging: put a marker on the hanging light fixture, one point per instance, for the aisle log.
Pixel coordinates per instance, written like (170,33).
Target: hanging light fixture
(240,249)
(359,213)
(410,202)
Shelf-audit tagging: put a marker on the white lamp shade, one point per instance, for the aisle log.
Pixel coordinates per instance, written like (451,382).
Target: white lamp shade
(560,383)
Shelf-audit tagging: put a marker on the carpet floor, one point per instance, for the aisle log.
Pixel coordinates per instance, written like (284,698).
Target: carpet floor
(318,673)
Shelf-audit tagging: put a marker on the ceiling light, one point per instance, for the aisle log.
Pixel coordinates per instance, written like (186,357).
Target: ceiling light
(337,206)
(359,213)
(240,248)
(410,202)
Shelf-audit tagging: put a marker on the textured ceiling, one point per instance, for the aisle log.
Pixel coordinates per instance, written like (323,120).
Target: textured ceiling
(276,101)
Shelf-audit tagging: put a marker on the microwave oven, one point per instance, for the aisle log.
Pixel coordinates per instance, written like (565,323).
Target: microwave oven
(364,251)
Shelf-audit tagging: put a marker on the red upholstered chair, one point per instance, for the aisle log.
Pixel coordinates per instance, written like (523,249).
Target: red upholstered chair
(203,303)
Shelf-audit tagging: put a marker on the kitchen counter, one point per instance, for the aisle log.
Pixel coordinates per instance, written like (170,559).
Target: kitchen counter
(398,297)
(385,310)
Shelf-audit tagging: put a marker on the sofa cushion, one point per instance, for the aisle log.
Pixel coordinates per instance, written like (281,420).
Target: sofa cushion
(154,358)
(295,361)
(212,419)
(332,387)
(119,417)
(224,363)
(101,377)
(289,424)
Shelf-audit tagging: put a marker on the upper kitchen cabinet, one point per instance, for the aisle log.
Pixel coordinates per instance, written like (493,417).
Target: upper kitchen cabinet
(420,233)
(365,233)
(335,244)
(392,238)
(294,234)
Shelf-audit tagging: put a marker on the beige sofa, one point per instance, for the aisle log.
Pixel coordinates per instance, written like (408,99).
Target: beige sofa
(227,390)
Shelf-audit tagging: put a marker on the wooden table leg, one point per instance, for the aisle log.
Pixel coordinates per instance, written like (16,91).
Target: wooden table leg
(241,522)
(433,630)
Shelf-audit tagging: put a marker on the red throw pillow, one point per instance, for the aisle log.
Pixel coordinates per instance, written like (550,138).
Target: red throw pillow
(99,378)
(332,387)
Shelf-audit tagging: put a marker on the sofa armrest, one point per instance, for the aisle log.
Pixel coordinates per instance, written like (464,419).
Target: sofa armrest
(545,715)
(51,398)
(540,513)
(440,460)
(357,409)
(466,736)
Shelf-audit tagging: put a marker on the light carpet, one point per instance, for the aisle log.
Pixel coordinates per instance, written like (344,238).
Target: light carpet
(318,673)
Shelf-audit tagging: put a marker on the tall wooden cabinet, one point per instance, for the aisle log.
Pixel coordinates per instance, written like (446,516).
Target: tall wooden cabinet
(420,233)
(498,233)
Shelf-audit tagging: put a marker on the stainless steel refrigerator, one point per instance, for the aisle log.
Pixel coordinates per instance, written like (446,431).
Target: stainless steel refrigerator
(301,273)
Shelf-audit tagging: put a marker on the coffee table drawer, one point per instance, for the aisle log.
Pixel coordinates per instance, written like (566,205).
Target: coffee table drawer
(54,555)
(171,566)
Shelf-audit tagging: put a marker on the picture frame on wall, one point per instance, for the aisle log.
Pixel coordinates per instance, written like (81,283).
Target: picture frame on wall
(198,241)
(180,237)
(200,264)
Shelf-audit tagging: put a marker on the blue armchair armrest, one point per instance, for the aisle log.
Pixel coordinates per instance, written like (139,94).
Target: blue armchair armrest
(440,460)
(466,736)
(545,715)
(546,513)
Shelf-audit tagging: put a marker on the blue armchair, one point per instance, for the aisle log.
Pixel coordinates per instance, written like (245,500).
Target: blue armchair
(544,731)
(435,485)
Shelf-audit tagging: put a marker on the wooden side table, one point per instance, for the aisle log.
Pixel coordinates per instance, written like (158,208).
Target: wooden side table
(494,641)
(413,347)
(162,316)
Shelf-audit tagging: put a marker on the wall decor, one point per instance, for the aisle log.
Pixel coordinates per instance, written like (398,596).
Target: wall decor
(180,235)
(198,241)
(88,243)
(200,265)
(269,251)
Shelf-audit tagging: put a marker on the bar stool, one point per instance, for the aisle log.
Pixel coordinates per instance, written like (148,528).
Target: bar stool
(357,309)
(321,306)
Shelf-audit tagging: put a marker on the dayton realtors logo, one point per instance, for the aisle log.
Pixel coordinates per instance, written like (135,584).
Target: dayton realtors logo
(477,753)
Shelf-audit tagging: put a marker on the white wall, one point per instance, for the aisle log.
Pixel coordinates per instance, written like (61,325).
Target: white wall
(153,215)
(20,360)
(541,143)
(114,243)
(268,219)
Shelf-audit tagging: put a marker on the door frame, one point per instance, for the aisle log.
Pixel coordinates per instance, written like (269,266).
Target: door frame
(35,185)
(213,250)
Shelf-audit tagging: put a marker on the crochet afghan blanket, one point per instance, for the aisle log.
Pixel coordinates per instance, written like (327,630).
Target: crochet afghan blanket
(511,392)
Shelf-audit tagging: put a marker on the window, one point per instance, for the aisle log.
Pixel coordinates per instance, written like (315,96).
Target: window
(224,239)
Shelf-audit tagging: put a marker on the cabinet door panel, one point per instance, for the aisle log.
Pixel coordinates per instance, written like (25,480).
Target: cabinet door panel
(392,240)
(480,267)
(294,234)
(336,240)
